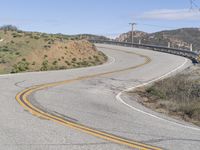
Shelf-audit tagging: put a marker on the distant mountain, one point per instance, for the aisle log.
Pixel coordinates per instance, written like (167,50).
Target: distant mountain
(90,37)
(179,38)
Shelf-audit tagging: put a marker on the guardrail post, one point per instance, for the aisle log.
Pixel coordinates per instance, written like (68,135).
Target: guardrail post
(168,45)
(190,47)
(139,41)
(186,53)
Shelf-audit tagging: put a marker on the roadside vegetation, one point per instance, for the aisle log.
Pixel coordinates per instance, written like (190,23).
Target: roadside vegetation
(22,51)
(177,96)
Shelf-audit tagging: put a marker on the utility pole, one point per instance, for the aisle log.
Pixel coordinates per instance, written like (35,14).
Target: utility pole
(132,28)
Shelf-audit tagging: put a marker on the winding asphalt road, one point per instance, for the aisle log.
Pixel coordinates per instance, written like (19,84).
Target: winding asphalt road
(85,108)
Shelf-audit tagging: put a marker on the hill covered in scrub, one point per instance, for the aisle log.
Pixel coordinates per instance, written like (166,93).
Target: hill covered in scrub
(179,38)
(90,37)
(33,51)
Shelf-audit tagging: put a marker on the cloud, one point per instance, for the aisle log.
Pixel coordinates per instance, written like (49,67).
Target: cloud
(172,14)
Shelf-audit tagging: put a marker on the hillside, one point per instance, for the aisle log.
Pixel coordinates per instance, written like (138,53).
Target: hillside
(31,51)
(179,38)
(90,37)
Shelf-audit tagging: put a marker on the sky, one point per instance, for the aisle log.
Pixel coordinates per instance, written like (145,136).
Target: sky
(101,17)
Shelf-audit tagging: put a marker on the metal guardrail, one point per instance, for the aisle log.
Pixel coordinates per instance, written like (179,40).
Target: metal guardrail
(195,57)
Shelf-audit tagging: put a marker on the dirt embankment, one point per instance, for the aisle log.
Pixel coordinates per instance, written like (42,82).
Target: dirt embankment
(31,51)
(177,96)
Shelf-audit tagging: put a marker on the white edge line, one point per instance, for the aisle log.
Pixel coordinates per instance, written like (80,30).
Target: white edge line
(118,97)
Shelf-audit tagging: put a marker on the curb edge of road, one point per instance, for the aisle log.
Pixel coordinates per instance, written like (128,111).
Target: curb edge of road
(118,97)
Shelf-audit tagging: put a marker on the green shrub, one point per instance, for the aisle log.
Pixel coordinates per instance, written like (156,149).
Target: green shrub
(36,37)
(73,59)
(23,59)
(155,92)
(5,49)
(179,94)
(47,46)
(62,67)
(68,63)
(84,63)
(44,66)
(17,53)
(55,62)
(33,63)
(16,35)
(2,61)
(20,67)
(9,28)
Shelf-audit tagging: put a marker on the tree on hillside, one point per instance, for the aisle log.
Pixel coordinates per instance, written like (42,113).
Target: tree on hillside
(9,28)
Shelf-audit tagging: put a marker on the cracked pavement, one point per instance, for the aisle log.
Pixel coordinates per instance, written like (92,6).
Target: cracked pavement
(90,102)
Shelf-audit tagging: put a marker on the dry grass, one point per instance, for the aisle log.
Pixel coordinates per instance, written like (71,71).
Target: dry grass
(178,96)
(31,51)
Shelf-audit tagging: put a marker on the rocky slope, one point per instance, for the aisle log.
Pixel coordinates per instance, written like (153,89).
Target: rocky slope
(179,38)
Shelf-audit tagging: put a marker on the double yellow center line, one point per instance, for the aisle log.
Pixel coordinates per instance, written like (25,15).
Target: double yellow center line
(23,100)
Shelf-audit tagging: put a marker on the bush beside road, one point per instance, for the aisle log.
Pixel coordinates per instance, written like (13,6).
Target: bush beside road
(177,96)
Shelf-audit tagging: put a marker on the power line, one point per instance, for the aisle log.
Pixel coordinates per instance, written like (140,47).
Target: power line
(191,4)
(166,12)
(194,5)
(152,25)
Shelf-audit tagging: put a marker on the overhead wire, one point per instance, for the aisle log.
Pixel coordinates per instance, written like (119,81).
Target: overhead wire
(193,5)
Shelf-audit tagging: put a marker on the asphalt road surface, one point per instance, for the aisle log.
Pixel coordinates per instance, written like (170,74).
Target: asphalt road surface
(85,108)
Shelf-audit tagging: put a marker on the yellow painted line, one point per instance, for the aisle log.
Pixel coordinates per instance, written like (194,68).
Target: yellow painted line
(22,98)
